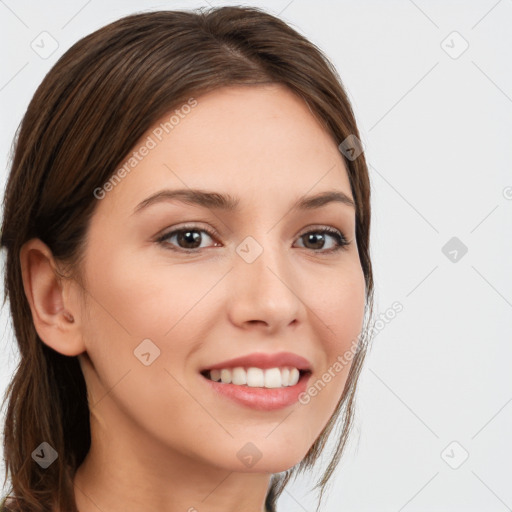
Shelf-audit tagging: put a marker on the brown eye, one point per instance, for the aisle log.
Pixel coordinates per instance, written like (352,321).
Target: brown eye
(186,239)
(189,239)
(317,239)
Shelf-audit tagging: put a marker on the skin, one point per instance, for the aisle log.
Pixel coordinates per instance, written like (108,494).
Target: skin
(160,438)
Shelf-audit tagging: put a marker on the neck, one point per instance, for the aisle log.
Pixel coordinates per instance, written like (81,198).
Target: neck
(119,476)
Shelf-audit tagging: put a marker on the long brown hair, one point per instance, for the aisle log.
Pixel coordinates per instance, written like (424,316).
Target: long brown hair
(92,107)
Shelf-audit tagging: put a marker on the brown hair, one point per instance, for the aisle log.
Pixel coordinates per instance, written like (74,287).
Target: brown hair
(92,107)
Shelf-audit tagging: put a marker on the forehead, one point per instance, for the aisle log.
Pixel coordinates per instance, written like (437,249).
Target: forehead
(250,141)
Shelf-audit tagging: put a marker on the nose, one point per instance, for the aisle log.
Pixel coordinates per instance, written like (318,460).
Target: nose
(264,291)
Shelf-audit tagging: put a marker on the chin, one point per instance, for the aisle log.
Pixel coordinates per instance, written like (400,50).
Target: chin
(265,460)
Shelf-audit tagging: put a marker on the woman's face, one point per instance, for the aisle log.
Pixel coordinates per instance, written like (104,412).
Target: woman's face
(260,277)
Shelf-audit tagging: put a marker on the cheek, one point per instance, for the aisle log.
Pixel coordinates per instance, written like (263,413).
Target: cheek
(130,301)
(340,305)
(340,315)
(143,298)
(133,300)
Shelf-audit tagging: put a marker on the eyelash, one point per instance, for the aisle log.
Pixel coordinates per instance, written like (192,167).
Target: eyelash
(341,241)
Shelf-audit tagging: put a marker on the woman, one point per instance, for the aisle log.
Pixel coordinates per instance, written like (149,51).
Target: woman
(187,224)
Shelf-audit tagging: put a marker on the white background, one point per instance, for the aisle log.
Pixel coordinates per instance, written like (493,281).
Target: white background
(437,135)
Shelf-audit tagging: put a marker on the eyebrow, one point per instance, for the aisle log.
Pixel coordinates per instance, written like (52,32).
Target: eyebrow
(227,202)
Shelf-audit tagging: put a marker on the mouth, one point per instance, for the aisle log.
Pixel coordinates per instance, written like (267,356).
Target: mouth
(256,377)
(256,389)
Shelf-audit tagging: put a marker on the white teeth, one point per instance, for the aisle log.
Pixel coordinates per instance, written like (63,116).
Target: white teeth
(256,377)
(293,377)
(238,376)
(273,378)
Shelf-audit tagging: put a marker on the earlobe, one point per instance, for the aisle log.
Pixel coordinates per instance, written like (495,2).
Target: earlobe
(55,317)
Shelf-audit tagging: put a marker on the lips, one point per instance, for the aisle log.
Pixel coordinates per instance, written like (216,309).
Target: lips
(260,398)
(264,361)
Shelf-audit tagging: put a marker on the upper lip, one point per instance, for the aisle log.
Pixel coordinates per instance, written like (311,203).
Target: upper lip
(262,360)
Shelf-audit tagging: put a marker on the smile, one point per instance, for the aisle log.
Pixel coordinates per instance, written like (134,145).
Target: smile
(256,377)
(255,394)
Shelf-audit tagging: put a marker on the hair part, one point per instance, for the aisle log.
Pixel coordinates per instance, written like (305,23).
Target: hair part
(91,109)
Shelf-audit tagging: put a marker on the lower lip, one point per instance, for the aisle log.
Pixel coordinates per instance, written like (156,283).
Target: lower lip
(263,399)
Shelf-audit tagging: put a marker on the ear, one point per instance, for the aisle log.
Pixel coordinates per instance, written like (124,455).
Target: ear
(52,300)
